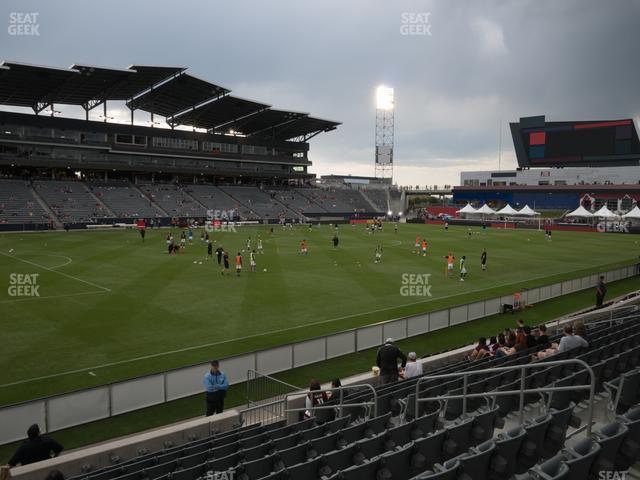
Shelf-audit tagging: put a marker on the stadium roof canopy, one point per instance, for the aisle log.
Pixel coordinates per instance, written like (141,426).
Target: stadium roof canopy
(219,112)
(176,95)
(167,91)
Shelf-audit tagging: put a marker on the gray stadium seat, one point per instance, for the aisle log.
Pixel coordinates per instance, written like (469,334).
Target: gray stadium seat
(428,450)
(580,457)
(401,435)
(533,445)
(476,461)
(503,463)
(557,430)
(484,423)
(339,460)
(610,437)
(396,464)
(447,471)
(458,437)
(553,469)
(630,448)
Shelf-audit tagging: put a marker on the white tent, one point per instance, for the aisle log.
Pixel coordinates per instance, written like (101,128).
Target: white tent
(486,210)
(580,212)
(467,209)
(633,213)
(526,210)
(604,212)
(507,210)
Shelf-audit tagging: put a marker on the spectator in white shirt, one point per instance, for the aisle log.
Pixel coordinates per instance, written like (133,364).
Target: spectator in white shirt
(413,368)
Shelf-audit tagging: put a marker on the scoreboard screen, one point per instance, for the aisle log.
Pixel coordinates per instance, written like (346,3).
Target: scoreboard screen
(548,144)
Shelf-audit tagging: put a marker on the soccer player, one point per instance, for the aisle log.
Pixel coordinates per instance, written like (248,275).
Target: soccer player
(252,260)
(483,259)
(303,247)
(142,233)
(463,269)
(450,259)
(417,245)
(469,234)
(446,226)
(209,249)
(260,245)
(190,236)
(202,236)
(336,240)
(395,228)
(378,254)
(219,252)
(225,261)
(249,244)
(424,247)
(238,264)
(183,241)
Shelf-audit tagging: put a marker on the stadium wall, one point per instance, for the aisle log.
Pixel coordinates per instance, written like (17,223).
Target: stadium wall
(83,406)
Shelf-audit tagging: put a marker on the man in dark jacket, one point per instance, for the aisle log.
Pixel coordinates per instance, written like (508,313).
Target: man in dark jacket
(601,291)
(36,448)
(387,361)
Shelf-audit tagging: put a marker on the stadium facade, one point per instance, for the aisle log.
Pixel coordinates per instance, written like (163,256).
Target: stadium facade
(562,165)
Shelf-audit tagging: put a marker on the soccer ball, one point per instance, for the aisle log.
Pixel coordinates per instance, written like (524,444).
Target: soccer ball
(199,263)
(264,270)
(11,250)
(195,261)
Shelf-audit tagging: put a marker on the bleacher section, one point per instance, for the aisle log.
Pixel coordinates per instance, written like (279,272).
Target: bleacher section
(218,201)
(18,205)
(70,201)
(337,200)
(125,200)
(260,202)
(297,202)
(440,440)
(378,197)
(174,200)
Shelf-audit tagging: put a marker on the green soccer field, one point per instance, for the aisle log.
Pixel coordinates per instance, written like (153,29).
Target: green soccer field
(111,307)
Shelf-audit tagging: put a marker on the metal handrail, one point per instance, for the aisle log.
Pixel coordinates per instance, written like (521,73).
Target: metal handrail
(341,403)
(608,321)
(255,375)
(607,311)
(521,392)
(244,413)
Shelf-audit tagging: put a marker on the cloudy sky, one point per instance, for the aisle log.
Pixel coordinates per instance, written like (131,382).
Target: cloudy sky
(483,64)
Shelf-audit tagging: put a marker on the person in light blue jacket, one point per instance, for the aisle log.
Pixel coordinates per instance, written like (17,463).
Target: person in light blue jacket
(216,385)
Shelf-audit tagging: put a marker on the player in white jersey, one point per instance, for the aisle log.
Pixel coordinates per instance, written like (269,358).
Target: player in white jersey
(252,260)
(378,254)
(463,269)
(260,246)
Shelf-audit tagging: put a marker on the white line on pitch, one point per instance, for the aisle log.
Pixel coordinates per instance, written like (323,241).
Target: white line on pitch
(55,271)
(22,299)
(222,342)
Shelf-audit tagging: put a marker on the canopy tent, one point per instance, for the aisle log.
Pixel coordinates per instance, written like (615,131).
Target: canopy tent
(633,213)
(528,211)
(580,212)
(467,209)
(604,212)
(486,210)
(507,210)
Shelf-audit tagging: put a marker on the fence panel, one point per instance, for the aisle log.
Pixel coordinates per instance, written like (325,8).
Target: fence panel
(438,320)
(458,315)
(136,394)
(476,310)
(556,289)
(418,325)
(308,352)
(492,306)
(545,293)
(274,360)
(369,337)
(341,344)
(396,329)
(186,381)
(77,408)
(15,420)
(533,295)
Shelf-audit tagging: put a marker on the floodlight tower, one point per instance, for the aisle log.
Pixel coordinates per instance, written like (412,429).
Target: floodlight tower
(384,132)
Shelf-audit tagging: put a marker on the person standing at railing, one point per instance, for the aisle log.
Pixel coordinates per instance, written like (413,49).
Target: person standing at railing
(216,385)
(387,361)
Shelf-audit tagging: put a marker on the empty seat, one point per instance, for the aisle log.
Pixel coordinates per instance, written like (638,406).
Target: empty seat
(533,445)
(458,437)
(372,447)
(192,473)
(339,460)
(580,457)
(396,464)
(377,425)
(610,437)
(476,461)
(553,469)
(366,471)
(446,471)
(322,445)
(257,468)
(503,463)
(630,449)
(557,430)
(425,424)
(401,435)
(624,391)
(484,423)
(292,456)
(428,450)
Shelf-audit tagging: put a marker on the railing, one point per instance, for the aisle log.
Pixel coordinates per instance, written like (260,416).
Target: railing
(596,317)
(266,398)
(340,406)
(521,391)
(66,410)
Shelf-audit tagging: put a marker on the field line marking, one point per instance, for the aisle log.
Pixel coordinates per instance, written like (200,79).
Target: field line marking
(69,260)
(55,271)
(247,337)
(22,299)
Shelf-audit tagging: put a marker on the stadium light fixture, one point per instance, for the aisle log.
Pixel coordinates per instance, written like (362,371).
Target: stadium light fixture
(384,98)
(389,213)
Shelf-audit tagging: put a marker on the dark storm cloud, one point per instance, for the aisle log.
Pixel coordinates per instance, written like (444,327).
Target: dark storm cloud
(484,62)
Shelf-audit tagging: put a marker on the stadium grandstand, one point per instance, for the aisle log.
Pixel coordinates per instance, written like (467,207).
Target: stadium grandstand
(219,148)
